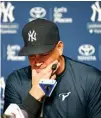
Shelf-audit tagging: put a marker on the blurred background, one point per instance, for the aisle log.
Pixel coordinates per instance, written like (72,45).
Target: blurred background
(79,26)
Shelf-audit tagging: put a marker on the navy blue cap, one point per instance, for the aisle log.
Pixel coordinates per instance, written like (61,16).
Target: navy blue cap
(40,36)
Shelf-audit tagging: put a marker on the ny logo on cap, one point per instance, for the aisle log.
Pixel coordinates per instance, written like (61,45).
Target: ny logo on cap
(31,36)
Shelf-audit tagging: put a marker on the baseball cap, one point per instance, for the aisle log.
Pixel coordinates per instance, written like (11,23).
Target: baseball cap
(40,36)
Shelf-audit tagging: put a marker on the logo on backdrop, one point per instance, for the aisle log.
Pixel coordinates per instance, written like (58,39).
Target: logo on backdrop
(95,25)
(37,12)
(12,51)
(2,91)
(2,86)
(7,18)
(99,54)
(7,12)
(96,10)
(86,52)
(32,36)
(59,15)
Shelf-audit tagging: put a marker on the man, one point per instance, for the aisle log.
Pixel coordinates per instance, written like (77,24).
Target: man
(78,90)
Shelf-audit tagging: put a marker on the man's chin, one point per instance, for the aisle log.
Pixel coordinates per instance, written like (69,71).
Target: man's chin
(38,70)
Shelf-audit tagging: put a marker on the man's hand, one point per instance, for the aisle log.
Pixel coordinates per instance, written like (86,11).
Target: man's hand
(45,73)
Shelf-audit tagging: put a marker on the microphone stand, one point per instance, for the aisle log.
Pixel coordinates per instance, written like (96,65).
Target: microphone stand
(54,66)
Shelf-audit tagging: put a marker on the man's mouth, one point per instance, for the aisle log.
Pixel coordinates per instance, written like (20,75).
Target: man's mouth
(38,67)
(38,70)
(39,64)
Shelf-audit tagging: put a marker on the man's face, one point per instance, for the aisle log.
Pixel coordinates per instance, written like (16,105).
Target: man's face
(41,61)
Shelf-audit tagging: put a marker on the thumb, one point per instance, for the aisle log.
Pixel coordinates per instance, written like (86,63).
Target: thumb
(34,73)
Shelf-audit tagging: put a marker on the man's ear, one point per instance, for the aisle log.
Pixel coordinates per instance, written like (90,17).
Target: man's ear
(59,47)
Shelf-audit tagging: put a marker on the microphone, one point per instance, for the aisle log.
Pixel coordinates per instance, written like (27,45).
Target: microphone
(47,88)
(54,66)
(13,111)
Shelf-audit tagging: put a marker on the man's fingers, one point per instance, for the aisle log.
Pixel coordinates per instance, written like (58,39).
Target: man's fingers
(54,62)
(53,77)
(49,67)
(46,75)
(34,73)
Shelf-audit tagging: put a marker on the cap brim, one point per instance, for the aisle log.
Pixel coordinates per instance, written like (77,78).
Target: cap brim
(29,50)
